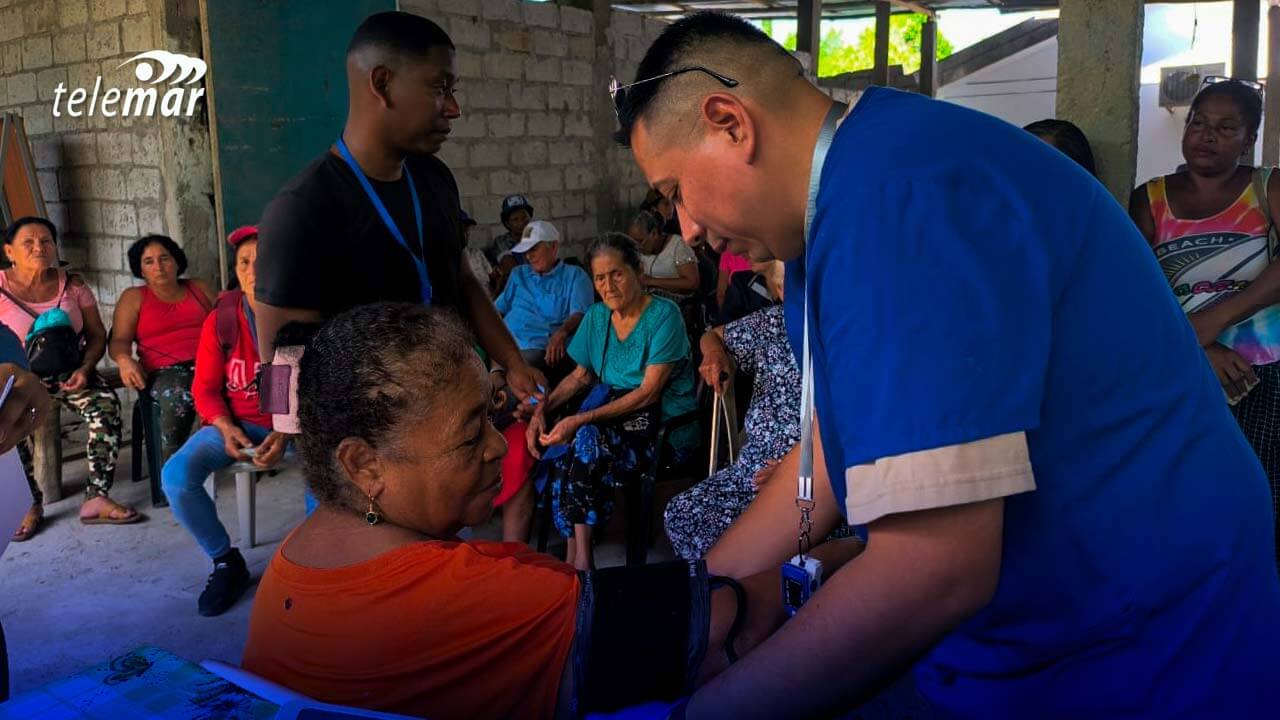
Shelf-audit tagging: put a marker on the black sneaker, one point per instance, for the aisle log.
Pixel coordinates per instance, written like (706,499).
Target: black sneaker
(227,582)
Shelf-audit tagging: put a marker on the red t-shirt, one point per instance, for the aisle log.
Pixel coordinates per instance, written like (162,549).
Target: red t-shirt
(224,385)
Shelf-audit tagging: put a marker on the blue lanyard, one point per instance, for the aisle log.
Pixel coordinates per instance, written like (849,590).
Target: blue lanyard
(420,263)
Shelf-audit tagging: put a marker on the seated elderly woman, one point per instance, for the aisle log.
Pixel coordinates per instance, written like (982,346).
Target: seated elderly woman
(226,397)
(756,344)
(374,601)
(45,306)
(162,318)
(668,267)
(633,356)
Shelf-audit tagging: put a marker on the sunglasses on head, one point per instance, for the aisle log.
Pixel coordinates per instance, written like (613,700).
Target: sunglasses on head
(620,93)
(1215,79)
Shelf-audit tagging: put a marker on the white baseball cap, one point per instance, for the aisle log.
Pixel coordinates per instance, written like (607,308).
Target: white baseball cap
(538,231)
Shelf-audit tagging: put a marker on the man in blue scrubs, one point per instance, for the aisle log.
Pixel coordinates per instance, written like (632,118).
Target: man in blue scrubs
(1064,521)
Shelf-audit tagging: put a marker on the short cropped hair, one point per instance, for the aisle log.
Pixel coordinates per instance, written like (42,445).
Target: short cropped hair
(140,246)
(674,48)
(1067,137)
(399,32)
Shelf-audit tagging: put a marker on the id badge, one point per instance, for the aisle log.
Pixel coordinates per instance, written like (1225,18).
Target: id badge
(801,578)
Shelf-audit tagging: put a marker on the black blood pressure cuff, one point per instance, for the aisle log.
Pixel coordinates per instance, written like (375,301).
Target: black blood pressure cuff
(642,633)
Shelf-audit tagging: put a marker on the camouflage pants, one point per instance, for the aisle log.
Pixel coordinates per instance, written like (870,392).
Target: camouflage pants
(98,405)
(170,389)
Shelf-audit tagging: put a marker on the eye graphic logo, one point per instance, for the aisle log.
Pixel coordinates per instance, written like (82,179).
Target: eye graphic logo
(178,76)
(174,68)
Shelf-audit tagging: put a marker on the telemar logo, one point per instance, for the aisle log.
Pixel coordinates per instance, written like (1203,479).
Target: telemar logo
(153,67)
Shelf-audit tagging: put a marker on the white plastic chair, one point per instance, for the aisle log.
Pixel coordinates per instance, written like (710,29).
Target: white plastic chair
(246,475)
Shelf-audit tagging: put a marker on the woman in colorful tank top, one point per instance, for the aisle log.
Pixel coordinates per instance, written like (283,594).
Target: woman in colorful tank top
(163,319)
(1209,226)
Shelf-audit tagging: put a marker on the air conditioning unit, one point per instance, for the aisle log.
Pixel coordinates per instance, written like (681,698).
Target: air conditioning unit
(1181,83)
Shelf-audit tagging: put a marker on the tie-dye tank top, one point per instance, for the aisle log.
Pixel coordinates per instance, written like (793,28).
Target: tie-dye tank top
(1211,258)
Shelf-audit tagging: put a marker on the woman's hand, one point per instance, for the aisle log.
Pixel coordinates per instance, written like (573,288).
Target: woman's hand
(527,381)
(1235,374)
(556,345)
(77,380)
(717,367)
(26,407)
(132,374)
(234,439)
(563,432)
(271,450)
(533,433)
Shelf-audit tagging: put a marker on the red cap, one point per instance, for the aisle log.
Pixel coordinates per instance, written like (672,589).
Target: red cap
(241,234)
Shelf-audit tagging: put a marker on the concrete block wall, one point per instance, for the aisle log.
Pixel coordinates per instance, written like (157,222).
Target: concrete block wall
(526,89)
(104,179)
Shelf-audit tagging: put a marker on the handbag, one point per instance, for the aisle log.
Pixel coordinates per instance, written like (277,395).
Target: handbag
(719,414)
(53,346)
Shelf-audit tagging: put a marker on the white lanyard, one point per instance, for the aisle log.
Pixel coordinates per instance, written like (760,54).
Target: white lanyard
(804,480)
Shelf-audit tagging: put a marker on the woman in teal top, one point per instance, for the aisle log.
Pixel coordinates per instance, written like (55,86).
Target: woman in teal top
(636,345)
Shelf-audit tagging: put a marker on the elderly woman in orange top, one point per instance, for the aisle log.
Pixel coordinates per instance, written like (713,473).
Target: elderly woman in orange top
(375,602)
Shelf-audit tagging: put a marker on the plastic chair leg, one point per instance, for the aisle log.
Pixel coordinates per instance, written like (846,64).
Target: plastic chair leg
(211,486)
(246,507)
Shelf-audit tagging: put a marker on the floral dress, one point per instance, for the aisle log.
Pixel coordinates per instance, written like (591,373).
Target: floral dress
(696,518)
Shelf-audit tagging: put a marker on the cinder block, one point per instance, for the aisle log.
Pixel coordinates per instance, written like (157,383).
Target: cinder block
(146,149)
(115,148)
(72,13)
(472,125)
(425,8)
(514,40)
(504,65)
(573,20)
(538,69)
(22,88)
(137,36)
(10,23)
(453,154)
(69,48)
(86,217)
(137,6)
(489,155)
(471,183)
(582,48)
(11,56)
(37,52)
(625,23)
(468,65)
(505,182)
(543,14)
(109,184)
(40,17)
(38,119)
(501,10)
(544,125)
(107,9)
(575,72)
(150,220)
(564,98)
(522,96)
(550,43)
(120,219)
(104,41)
(459,7)
(565,152)
(546,180)
(145,184)
(47,81)
(529,153)
(469,32)
(577,125)
(503,126)
(47,152)
(486,95)
(579,178)
(567,205)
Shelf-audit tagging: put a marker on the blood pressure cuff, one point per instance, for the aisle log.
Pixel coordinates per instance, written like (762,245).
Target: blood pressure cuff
(642,633)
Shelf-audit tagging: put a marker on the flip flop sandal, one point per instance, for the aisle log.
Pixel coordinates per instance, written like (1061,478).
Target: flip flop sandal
(31,531)
(106,519)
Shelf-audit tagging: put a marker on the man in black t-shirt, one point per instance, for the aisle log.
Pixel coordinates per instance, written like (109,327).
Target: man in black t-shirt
(359,224)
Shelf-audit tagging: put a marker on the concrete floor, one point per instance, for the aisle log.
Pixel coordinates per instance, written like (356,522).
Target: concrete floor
(75,595)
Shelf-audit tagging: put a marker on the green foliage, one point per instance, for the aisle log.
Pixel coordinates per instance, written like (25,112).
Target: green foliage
(837,57)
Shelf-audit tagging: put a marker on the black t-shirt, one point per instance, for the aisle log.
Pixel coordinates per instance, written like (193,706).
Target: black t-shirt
(323,245)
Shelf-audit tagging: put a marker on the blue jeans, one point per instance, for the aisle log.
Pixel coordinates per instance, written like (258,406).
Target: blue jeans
(183,482)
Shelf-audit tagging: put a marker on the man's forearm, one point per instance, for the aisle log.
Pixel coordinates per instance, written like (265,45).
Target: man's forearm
(487,324)
(925,573)
(269,319)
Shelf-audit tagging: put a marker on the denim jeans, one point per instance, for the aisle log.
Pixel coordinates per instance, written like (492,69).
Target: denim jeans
(183,482)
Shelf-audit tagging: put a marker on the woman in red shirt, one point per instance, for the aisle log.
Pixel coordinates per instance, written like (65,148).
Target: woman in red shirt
(163,318)
(226,397)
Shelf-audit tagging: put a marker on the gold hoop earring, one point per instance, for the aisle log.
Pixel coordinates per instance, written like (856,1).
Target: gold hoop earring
(372,516)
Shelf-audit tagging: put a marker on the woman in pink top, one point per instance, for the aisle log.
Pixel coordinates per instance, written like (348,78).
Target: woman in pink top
(162,318)
(34,284)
